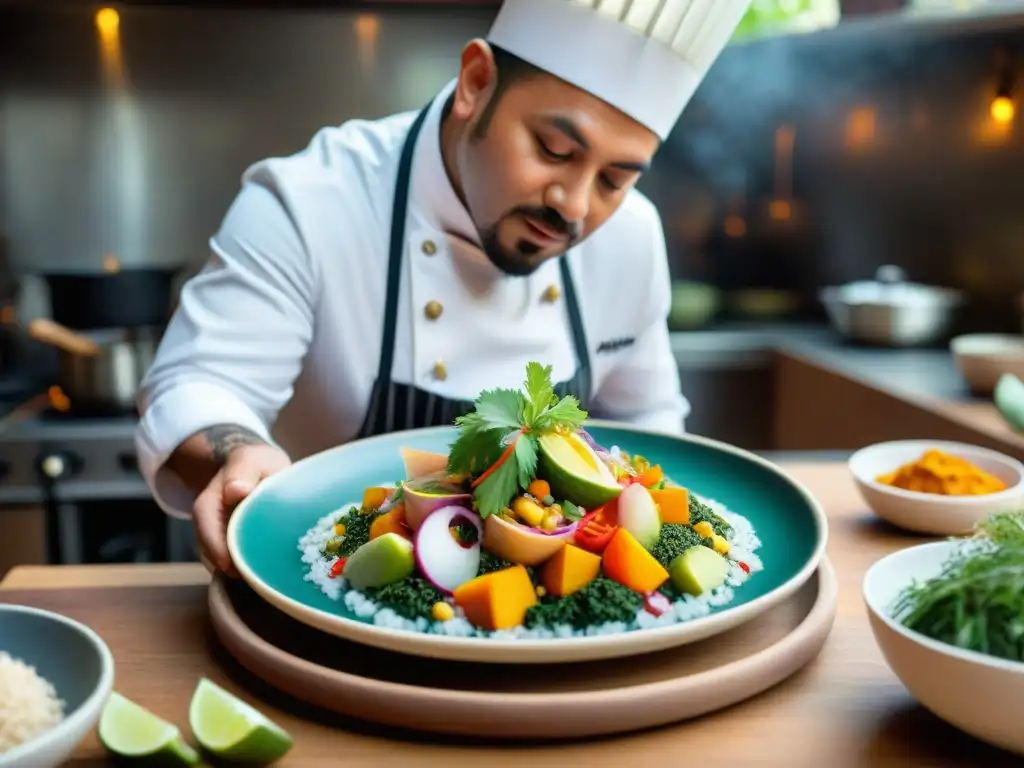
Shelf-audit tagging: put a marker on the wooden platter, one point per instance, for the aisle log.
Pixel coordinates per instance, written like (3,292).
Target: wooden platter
(524,701)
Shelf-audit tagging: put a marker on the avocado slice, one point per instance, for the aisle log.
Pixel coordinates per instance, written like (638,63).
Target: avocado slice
(698,570)
(1009,399)
(575,472)
(379,562)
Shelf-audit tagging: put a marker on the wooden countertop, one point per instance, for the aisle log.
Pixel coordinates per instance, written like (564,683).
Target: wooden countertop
(845,709)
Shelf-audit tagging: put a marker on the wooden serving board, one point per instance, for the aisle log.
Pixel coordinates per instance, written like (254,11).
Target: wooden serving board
(523,701)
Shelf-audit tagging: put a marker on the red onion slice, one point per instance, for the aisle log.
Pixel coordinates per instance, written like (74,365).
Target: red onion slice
(446,563)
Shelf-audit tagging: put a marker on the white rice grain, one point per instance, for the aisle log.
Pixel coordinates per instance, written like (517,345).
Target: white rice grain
(29,705)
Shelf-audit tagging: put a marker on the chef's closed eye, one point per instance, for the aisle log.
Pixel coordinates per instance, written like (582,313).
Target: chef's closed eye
(555,148)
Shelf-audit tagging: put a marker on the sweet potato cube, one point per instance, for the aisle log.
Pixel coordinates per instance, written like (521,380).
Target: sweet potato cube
(570,570)
(374,497)
(627,562)
(497,600)
(391,522)
(674,503)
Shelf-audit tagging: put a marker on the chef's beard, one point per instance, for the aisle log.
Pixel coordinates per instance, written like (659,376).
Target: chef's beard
(522,260)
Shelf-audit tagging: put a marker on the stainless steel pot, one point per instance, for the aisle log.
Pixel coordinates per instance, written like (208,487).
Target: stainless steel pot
(101,370)
(890,311)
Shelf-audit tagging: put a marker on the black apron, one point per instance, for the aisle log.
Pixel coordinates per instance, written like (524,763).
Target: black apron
(394,406)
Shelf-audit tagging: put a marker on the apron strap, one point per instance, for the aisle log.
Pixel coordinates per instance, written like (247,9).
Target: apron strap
(396,249)
(579,334)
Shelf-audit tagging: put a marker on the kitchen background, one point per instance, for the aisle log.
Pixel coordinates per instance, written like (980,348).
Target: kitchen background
(830,139)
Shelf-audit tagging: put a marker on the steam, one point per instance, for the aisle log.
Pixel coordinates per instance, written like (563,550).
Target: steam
(758,86)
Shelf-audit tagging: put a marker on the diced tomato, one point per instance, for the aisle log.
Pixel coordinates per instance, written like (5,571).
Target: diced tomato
(592,534)
(744,566)
(338,567)
(657,603)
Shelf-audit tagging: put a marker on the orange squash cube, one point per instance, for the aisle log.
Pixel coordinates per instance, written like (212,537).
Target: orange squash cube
(674,503)
(497,600)
(627,562)
(391,522)
(570,570)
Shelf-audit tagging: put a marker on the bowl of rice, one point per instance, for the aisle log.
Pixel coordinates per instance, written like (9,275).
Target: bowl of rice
(55,677)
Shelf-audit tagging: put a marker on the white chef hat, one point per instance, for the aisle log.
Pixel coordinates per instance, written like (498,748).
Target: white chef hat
(645,57)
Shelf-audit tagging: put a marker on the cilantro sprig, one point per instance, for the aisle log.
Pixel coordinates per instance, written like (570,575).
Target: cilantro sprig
(498,440)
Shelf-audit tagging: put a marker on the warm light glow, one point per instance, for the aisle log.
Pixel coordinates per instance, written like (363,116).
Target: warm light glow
(735,226)
(780,210)
(108,21)
(1003,109)
(861,127)
(9,314)
(785,138)
(58,399)
(367,28)
(111,263)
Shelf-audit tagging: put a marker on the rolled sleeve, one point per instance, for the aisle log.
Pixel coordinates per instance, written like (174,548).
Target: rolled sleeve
(236,343)
(170,419)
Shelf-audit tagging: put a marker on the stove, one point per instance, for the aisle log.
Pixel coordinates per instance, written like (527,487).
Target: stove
(81,470)
(89,456)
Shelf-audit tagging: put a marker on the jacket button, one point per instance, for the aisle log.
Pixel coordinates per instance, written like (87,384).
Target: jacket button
(433,310)
(551,294)
(429,247)
(440,372)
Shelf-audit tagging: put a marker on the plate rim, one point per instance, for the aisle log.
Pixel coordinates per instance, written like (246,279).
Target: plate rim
(549,650)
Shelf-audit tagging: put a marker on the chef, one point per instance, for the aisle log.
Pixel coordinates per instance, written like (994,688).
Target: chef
(384,276)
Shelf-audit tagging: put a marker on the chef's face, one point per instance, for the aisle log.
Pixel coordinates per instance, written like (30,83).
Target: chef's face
(541,164)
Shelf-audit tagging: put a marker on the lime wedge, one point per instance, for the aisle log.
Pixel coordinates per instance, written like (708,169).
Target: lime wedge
(231,729)
(132,731)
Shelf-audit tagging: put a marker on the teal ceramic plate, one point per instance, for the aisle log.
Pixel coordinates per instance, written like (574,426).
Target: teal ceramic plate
(264,532)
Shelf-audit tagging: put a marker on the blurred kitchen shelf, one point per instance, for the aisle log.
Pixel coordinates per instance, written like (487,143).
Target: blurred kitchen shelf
(918,373)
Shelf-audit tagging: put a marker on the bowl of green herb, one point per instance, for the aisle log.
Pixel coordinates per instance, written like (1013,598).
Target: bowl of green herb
(948,617)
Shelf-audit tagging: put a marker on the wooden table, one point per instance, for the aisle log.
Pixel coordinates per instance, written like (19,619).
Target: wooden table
(845,709)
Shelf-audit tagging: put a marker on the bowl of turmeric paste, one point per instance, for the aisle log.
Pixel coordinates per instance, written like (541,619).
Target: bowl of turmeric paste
(937,487)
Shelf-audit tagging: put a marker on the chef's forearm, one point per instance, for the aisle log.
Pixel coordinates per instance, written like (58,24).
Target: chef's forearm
(202,455)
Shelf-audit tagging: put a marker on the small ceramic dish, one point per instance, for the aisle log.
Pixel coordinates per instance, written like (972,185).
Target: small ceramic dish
(982,358)
(977,693)
(929,513)
(75,661)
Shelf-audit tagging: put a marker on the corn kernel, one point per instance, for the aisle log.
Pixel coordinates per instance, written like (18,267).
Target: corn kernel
(530,512)
(704,529)
(339,529)
(442,612)
(541,591)
(720,544)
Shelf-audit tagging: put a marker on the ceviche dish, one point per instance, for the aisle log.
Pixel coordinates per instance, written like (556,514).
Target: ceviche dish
(527,528)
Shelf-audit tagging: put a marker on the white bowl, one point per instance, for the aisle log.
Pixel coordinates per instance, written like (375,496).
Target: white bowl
(78,664)
(983,358)
(931,513)
(976,693)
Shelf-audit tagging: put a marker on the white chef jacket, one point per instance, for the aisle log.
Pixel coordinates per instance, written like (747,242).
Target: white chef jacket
(280,332)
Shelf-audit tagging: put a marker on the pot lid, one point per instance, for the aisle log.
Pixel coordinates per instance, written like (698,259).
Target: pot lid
(891,287)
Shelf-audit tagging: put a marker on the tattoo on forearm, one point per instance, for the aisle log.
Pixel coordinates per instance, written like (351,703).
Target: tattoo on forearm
(224,438)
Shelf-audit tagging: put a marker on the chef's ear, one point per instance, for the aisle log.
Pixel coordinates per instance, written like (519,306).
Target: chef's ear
(478,78)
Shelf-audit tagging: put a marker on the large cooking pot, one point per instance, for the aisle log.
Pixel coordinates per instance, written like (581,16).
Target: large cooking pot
(102,370)
(126,297)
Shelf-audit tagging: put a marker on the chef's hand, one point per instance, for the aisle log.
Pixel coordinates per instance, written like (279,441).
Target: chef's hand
(246,466)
